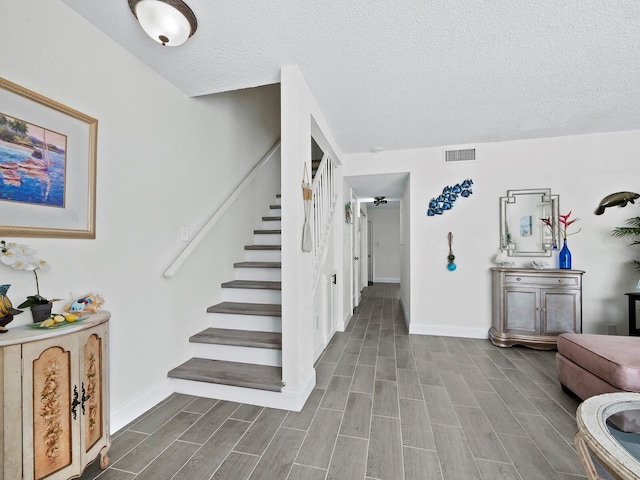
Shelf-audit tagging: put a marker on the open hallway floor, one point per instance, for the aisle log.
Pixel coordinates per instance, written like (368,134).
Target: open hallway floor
(387,406)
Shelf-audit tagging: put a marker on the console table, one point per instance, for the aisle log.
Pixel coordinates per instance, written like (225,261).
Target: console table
(532,307)
(54,396)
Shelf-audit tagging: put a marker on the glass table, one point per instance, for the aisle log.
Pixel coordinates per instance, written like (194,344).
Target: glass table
(609,428)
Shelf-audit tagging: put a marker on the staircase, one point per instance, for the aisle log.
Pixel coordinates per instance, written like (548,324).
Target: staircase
(246,326)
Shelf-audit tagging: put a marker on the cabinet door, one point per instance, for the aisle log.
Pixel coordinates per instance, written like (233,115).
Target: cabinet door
(561,310)
(520,309)
(93,375)
(49,385)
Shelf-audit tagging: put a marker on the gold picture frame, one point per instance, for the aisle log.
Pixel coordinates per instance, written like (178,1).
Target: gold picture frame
(65,205)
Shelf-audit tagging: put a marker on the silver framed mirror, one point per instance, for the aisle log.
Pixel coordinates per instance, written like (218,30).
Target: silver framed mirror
(522,230)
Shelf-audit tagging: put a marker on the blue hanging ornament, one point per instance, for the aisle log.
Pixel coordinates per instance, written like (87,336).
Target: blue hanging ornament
(451,266)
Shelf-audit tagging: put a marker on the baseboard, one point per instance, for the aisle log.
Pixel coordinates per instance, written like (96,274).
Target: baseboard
(138,405)
(288,399)
(386,280)
(444,331)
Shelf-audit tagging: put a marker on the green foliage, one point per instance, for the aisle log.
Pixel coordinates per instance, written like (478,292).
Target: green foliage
(6,134)
(632,230)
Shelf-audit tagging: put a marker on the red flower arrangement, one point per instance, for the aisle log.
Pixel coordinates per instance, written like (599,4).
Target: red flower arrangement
(564,224)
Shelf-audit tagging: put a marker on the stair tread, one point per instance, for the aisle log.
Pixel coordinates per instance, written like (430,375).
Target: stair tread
(263,247)
(271,219)
(275,207)
(255,284)
(238,308)
(261,377)
(258,265)
(239,338)
(267,232)
(278,196)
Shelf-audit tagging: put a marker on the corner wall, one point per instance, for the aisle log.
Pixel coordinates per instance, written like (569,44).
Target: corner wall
(580,169)
(300,117)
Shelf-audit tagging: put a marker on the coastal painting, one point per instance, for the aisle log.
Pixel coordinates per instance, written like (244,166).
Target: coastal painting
(47,166)
(32,163)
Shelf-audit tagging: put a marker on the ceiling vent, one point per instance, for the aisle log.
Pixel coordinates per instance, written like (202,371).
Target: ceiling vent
(460,156)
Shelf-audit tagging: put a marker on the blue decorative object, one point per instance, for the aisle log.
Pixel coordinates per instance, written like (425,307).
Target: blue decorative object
(451,257)
(447,198)
(564,257)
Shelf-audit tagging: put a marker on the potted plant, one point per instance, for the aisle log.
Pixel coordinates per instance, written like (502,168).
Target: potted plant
(632,230)
(22,257)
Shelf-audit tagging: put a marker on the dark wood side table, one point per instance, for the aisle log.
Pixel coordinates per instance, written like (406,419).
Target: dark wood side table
(634,330)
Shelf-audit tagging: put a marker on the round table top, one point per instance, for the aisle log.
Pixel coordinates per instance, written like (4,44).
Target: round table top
(610,426)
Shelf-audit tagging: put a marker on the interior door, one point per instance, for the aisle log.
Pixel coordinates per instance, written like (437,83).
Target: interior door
(355,264)
(370,252)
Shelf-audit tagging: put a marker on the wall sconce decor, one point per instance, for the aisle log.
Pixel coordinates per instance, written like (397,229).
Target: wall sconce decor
(169,22)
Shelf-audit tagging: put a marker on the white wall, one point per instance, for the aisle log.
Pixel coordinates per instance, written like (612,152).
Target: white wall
(386,244)
(581,169)
(301,118)
(164,160)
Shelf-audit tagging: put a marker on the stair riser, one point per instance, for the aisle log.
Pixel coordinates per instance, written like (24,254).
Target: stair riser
(271,225)
(267,239)
(263,274)
(256,323)
(274,212)
(262,398)
(259,356)
(262,255)
(251,295)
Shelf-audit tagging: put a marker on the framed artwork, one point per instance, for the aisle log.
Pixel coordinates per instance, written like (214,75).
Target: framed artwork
(47,167)
(525,226)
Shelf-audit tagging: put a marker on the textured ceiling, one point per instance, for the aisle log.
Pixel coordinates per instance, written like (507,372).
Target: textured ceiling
(414,73)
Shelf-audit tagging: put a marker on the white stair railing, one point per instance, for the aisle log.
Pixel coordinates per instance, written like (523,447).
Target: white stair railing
(219,212)
(323,203)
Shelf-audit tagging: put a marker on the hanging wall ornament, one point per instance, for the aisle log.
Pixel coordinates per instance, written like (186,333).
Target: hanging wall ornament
(445,201)
(451,258)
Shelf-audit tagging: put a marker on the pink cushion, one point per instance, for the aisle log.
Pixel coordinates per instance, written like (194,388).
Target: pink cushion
(614,359)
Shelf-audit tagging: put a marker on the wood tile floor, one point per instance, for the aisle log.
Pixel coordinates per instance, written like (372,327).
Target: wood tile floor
(387,406)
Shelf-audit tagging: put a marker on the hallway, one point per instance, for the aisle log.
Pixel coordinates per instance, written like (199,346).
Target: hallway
(387,406)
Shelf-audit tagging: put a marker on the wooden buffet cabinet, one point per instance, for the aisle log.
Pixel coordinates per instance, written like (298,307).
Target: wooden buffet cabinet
(532,307)
(54,391)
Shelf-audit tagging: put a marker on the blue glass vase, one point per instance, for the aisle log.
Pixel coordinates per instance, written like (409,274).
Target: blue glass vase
(564,257)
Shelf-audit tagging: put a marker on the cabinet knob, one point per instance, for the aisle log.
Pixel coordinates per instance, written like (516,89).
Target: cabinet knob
(561,280)
(518,279)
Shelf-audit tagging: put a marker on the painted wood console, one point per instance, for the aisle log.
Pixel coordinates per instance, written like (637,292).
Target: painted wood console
(532,307)
(54,394)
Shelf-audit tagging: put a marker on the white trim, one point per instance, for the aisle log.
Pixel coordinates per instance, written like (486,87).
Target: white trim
(139,405)
(407,320)
(444,331)
(386,279)
(288,399)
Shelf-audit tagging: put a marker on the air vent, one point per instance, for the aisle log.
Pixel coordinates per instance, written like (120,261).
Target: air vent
(458,156)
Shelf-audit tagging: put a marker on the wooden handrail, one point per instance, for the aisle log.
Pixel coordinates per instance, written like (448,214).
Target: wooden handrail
(217,214)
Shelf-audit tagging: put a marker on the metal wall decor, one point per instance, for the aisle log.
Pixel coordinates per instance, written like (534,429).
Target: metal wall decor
(451,266)
(445,201)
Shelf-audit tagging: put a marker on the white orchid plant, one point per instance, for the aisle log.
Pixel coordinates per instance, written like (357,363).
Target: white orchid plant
(23,257)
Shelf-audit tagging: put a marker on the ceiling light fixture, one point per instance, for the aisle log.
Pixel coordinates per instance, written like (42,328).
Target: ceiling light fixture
(169,22)
(379,201)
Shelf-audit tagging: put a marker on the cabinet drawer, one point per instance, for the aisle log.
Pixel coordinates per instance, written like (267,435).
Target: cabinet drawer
(541,280)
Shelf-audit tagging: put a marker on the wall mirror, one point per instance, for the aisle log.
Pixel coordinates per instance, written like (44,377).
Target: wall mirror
(522,232)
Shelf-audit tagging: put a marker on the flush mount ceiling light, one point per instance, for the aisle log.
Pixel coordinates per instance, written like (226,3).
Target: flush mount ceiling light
(379,201)
(169,22)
